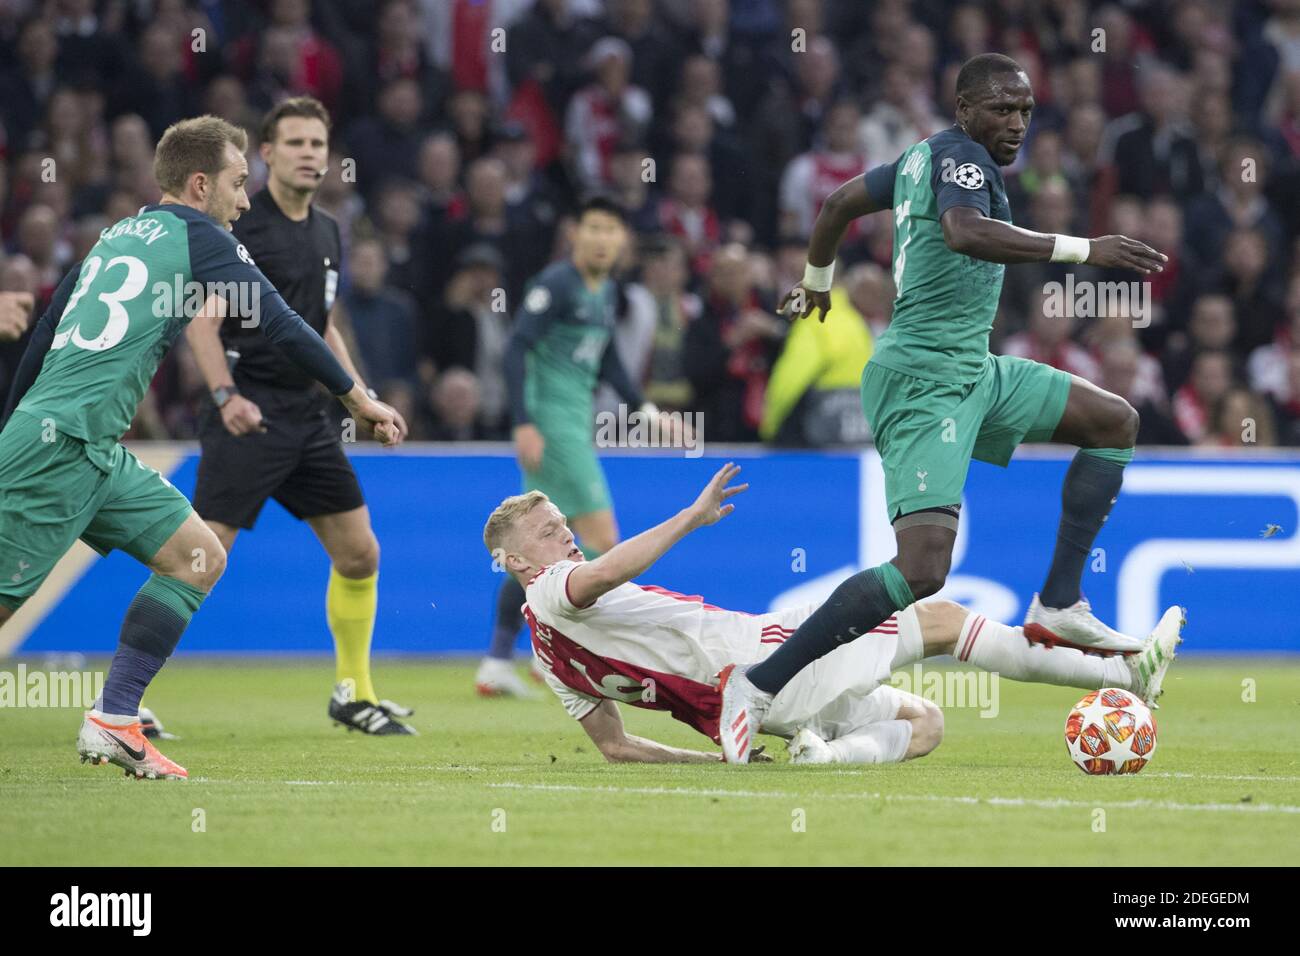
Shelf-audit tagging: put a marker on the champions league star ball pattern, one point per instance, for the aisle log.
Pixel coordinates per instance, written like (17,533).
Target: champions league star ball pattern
(1110,731)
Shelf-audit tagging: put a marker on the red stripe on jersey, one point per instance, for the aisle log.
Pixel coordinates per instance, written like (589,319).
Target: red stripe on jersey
(693,598)
(772,640)
(586,672)
(969,644)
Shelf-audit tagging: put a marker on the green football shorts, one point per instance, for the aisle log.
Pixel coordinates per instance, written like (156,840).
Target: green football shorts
(927,432)
(570,476)
(53,495)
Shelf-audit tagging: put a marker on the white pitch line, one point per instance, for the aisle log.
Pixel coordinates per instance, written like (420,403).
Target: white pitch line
(1052,804)
(1223,776)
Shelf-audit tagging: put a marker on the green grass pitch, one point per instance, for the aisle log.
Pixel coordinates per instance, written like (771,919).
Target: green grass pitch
(517,782)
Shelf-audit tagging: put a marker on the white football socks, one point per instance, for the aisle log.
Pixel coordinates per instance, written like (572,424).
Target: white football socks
(883,742)
(1005,650)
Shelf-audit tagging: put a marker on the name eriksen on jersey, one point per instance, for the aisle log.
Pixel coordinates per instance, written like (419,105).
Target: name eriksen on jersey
(148,229)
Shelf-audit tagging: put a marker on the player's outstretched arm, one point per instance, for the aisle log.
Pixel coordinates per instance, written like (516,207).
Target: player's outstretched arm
(860,196)
(215,257)
(968,231)
(604,726)
(623,562)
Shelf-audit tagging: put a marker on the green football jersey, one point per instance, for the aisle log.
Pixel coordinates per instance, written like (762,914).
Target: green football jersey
(109,341)
(119,313)
(570,327)
(944,302)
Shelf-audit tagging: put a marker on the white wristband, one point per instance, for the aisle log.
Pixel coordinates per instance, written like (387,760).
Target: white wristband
(649,409)
(1071,249)
(818,278)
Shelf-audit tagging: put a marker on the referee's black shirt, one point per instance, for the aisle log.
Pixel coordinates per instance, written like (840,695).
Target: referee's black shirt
(302,261)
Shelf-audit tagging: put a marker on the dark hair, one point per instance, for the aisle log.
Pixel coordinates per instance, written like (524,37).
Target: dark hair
(307,107)
(600,202)
(976,72)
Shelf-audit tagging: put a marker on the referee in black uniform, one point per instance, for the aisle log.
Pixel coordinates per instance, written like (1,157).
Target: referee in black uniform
(268,434)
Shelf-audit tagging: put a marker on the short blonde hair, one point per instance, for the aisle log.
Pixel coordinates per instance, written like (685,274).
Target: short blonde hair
(502,521)
(192,146)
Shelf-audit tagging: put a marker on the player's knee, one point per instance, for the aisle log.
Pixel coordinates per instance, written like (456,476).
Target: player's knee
(1129,429)
(209,571)
(361,560)
(1119,428)
(927,730)
(926,578)
(924,568)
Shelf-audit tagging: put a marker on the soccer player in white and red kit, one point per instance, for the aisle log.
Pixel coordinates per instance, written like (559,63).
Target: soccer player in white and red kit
(601,638)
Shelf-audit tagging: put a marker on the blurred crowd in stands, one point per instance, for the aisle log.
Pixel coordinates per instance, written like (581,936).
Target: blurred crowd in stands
(465,130)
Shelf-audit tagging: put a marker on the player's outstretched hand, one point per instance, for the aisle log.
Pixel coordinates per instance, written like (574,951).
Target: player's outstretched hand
(711,506)
(1121,252)
(800,302)
(242,417)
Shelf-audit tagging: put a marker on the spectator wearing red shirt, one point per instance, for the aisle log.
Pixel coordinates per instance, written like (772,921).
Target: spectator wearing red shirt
(686,213)
(730,349)
(603,112)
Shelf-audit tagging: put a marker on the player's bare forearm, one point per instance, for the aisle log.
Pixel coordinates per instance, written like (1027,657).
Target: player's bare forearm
(848,202)
(626,560)
(642,750)
(604,725)
(967,231)
(204,336)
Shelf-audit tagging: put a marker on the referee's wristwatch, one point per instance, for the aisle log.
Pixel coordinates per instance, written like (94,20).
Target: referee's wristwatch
(223,394)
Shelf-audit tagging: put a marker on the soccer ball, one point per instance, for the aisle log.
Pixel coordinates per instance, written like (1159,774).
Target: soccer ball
(1110,731)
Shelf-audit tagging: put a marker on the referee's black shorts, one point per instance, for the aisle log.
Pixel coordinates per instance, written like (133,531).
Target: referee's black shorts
(298,461)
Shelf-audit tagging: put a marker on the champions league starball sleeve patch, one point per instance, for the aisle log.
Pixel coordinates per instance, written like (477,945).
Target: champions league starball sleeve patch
(968,176)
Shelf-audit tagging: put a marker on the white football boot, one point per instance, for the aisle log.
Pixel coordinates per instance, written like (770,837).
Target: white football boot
(126,746)
(497,678)
(1148,667)
(1076,626)
(807,747)
(743,708)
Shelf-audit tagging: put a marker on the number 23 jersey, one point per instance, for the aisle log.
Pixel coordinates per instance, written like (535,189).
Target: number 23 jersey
(134,293)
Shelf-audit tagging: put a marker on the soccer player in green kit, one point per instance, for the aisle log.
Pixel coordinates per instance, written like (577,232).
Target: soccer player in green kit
(64,473)
(935,397)
(561,346)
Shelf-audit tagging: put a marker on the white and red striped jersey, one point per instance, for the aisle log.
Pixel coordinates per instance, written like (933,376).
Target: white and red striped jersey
(644,645)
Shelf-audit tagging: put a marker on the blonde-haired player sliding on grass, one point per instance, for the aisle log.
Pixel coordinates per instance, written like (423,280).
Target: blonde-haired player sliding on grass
(601,638)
